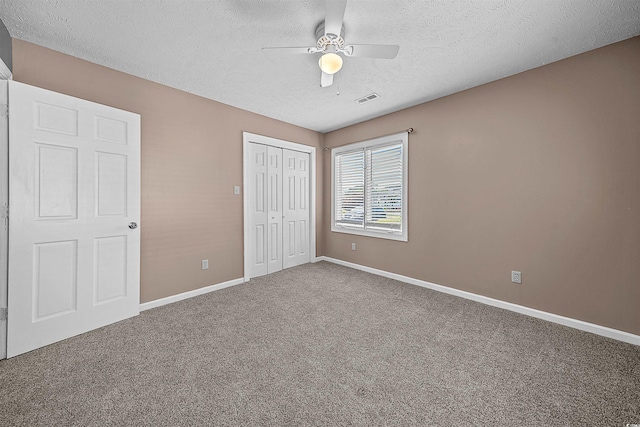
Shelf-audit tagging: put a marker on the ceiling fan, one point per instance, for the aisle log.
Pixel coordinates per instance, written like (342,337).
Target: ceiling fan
(330,35)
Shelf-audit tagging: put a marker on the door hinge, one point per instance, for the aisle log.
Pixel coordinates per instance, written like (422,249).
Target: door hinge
(4,110)
(4,212)
(4,313)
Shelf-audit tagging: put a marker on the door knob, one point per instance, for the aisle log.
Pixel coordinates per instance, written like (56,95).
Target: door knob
(133,225)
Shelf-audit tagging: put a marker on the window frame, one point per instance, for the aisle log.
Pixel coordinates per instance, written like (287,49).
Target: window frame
(403,235)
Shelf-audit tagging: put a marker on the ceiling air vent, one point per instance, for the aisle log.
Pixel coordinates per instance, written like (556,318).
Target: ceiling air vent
(367,98)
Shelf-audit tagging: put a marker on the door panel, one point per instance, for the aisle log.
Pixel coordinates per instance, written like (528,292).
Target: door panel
(303,209)
(74,264)
(111,130)
(55,282)
(257,208)
(56,192)
(110,278)
(54,118)
(274,171)
(303,248)
(111,184)
(296,211)
(290,246)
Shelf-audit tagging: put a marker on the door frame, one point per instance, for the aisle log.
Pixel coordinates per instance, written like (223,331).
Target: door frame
(5,75)
(248,138)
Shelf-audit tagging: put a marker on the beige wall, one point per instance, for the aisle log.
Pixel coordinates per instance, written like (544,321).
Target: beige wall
(539,173)
(191,159)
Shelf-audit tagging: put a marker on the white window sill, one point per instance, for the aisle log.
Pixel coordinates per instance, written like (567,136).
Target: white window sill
(378,234)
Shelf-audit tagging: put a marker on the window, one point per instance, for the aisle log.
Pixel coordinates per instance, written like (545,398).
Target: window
(369,188)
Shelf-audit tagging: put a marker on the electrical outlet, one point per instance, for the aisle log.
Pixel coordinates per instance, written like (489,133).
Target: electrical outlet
(205,264)
(353,246)
(516,277)
(236,189)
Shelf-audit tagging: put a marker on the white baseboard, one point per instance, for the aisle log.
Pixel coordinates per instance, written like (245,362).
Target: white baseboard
(189,294)
(566,321)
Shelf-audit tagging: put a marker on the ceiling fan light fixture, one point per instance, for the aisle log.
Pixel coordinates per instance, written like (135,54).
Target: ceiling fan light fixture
(330,63)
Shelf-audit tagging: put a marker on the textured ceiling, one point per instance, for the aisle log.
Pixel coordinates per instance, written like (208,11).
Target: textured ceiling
(213,48)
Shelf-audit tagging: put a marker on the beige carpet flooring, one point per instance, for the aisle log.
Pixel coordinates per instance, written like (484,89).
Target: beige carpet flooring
(322,344)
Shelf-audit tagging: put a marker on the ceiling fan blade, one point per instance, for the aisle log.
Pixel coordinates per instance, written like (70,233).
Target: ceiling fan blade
(326,80)
(334,14)
(287,50)
(386,51)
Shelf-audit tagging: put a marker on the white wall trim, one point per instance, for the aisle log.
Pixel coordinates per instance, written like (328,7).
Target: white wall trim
(4,201)
(260,139)
(189,294)
(5,72)
(550,317)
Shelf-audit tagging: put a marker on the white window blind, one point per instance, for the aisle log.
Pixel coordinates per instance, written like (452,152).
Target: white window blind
(370,187)
(349,189)
(384,188)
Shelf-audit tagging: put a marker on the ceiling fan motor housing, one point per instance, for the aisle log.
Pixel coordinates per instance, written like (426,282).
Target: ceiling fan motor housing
(327,40)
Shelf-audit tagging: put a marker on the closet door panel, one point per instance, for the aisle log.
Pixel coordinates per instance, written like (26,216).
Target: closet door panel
(296,208)
(274,197)
(258,209)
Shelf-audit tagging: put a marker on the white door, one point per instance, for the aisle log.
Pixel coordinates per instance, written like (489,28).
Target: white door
(265,187)
(295,208)
(258,209)
(278,204)
(74,205)
(274,195)
(265,209)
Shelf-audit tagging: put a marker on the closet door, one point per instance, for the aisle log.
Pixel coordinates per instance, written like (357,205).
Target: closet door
(295,208)
(258,209)
(278,203)
(274,195)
